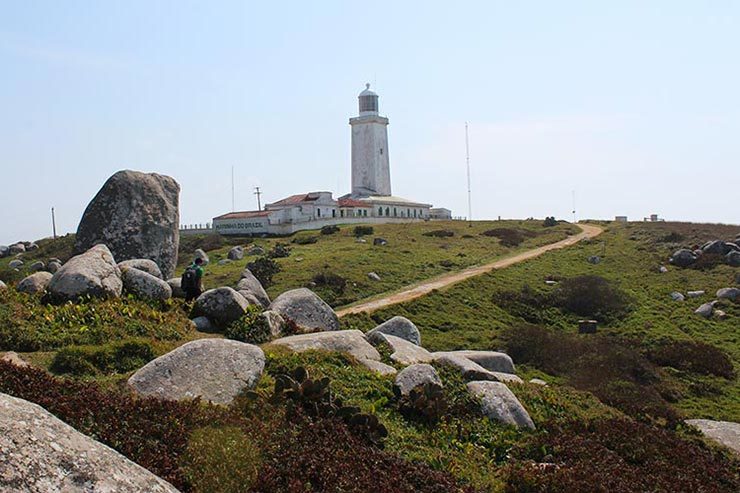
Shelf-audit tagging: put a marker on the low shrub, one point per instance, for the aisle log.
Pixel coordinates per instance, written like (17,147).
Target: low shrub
(693,356)
(221,459)
(279,250)
(708,261)
(116,357)
(330,280)
(440,233)
(549,222)
(617,456)
(591,296)
(509,237)
(264,268)
(672,237)
(363,230)
(305,239)
(329,230)
(250,327)
(608,368)
(426,404)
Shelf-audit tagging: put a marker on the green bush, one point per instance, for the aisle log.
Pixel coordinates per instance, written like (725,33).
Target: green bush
(550,221)
(329,230)
(591,296)
(116,357)
(509,237)
(305,239)
(693,356)
(252,327)
(263,269)
(363,230)
(440,233)
(280,250)
(330,280)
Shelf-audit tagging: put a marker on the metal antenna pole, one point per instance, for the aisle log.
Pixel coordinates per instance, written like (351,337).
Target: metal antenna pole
(258,193)
(467,163)
(233,207)
(53,224)
(574,206)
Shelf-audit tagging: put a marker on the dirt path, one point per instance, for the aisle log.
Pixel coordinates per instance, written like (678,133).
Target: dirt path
(417,290)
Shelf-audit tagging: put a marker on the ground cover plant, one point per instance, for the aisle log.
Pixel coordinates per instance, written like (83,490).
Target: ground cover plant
(410,255)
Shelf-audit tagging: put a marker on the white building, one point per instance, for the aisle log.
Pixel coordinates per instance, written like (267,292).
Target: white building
(370,201)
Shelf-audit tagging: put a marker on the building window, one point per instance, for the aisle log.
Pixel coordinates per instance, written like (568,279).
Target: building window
(341,213)
(380,211)
(395,213)
(414,212)
(364,212)
(318,212)
(408,212)
(333,213)
(381,151)
(387,211)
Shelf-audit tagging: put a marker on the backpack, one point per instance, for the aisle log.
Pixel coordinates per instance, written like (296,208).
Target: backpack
(189,279)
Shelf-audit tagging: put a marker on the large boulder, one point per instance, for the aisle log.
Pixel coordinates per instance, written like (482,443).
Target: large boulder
(683,258)
(144,264)
(498,403)
(403,352)
(236,253)
(53,266)
(274,321)
(471,370)
(221,305)
(728,293)
(144,285)
(303,308)
(733,258)
(248,282)
(716,247)
(705,310)
(93,273)
(4,251)
(35,283)
(400,327)
(37,266)
(414,376)
(15,263)
(490,360)
(725,432)
(176,287)
(16,249)
(201,254)
(41,453)
(137,216)
(346,341)
(216,370)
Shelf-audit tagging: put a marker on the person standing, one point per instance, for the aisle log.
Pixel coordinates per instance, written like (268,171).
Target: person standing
(192,280)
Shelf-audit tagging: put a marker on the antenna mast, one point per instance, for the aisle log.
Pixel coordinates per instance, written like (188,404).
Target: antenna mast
(53,224)
(574,206)
(467,163)
(258,193)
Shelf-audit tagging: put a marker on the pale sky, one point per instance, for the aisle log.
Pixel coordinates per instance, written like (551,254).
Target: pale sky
(635,105)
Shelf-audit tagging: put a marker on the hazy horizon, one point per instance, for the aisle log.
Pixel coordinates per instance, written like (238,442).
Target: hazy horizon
(634,106)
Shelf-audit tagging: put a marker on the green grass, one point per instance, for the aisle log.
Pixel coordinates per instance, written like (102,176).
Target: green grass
(468,315)
(409,256)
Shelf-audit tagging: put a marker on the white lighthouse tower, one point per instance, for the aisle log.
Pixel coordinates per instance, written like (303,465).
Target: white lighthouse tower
(371,174)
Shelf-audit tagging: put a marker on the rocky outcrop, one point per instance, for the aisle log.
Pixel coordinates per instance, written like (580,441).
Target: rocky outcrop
(221,305)
(728,293)
(199,253)
(40,453)
(347,341)
(93,273)
(35,283)
(274,322)
(53,266)
(37,266)
(683,258)
(471,370)
(248,282)
(149,266)
(414,376)
(490,360)
(15,264)
(500,404)
(145,285)
(216,370)
(4,251)
(400,327)
(378,367)
(725,432)
(16,249)
(705,310)
(303,308)
(203,324)
(733,258)
(403,351)
(137,216)
(715,247)
(236,253)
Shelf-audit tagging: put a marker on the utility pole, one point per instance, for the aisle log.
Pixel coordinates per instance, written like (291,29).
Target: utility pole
(53,224)
(258,193)
(467,163)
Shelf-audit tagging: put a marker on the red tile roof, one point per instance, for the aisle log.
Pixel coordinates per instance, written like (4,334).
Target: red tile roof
(354,203)
(243,215)
(297,199)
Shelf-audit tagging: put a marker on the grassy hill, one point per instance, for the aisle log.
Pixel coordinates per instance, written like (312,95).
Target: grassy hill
(608,421)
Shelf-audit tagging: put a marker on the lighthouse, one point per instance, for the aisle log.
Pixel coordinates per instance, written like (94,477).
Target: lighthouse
(371,174)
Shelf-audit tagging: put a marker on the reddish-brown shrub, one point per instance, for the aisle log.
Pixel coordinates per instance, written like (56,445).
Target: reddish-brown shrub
(509,237)
(618,456)
(323,455)
(693,356)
